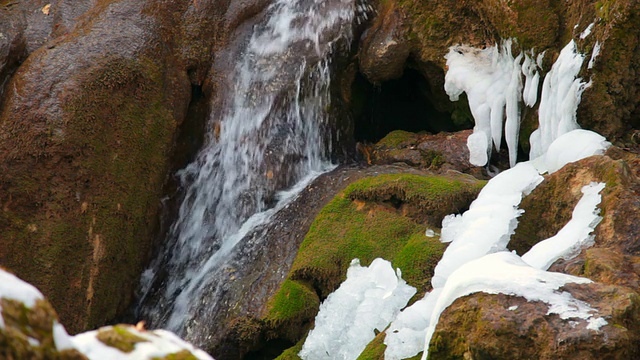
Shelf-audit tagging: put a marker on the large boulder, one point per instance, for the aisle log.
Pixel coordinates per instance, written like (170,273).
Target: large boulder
(499,326)
(418,34)
(86,128)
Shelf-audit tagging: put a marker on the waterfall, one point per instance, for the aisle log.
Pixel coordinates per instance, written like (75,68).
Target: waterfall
(269,135)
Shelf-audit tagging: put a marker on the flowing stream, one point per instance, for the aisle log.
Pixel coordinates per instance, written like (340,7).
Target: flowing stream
(271,135)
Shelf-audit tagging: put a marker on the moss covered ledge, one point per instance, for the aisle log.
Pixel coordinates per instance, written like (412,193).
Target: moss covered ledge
(380,216)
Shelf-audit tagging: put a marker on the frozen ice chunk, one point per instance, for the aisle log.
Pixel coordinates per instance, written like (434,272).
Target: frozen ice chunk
(574,146)
(368,300)
(492,80)
(573,236)
(561,94)
(506,273)
(489,222)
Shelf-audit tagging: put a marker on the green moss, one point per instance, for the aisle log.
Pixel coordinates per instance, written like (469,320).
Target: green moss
(182,355)
(396,138)
(375,349)
(292,352)
(120,338)
(293,301)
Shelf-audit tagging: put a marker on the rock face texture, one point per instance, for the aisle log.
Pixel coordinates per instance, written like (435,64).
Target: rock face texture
(497,326)
(98,97)
(87,123)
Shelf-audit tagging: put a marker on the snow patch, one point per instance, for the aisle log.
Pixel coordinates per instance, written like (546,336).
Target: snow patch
(12,288)
(368,299)
(594,55)
(158,344)
(574,236)
(587,31)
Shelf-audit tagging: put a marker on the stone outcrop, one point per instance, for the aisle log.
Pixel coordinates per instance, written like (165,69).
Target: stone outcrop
(421,32)
(499,326)
(87,124)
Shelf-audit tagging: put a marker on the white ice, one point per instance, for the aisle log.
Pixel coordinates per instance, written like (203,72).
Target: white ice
(367,300)
(488,224)
(587,31)
(573,146)
(561,94)
(486,228)
(505,273)
(594,55)
(575,235)
(492,80)
(158,344)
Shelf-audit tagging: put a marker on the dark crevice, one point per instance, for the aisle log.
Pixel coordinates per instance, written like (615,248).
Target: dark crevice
(399,104)
(270,350)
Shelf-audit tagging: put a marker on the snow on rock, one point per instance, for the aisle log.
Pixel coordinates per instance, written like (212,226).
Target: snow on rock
(573,236)
(573,146)
(146,345)
(106,343)
(489,223)
(486,228)
(493,82)
(505,273)
(12,288)
(561,94)
(368,299)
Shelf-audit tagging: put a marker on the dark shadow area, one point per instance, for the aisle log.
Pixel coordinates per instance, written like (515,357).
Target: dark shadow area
(271,350)
(400,104)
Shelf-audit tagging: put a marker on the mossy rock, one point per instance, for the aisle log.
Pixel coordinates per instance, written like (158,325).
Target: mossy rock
(397,138)
(28,332)
(369,219)
(119,337)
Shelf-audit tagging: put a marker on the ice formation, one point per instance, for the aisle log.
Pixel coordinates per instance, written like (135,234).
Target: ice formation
(493,82)
(489,222)
(369,299)
(572,146)
(505,273)
(594,55)
(484,230)
(561,93)
(573,236)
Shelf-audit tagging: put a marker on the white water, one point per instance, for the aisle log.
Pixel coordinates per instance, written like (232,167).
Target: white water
(271,136)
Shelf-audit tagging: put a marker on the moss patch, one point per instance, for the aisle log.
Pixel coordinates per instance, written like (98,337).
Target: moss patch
(397,138)
(120,338)
(369,219)
(293,301)
(182,355)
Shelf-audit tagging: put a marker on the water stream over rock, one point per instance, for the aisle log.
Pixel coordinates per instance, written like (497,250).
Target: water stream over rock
(270,135)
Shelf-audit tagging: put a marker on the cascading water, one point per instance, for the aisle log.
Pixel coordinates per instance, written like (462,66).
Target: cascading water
(269,137)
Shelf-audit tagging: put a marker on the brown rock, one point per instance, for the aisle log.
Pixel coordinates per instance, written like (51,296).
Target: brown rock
(482,326)
(90,119)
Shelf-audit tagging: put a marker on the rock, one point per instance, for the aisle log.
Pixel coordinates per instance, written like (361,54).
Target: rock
(440,152)
(85,138)
(29,329)
(487,326)
(381,216)
(425,31)
(384,47)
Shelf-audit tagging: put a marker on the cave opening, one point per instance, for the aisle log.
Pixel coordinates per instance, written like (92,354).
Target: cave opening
(408,103)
